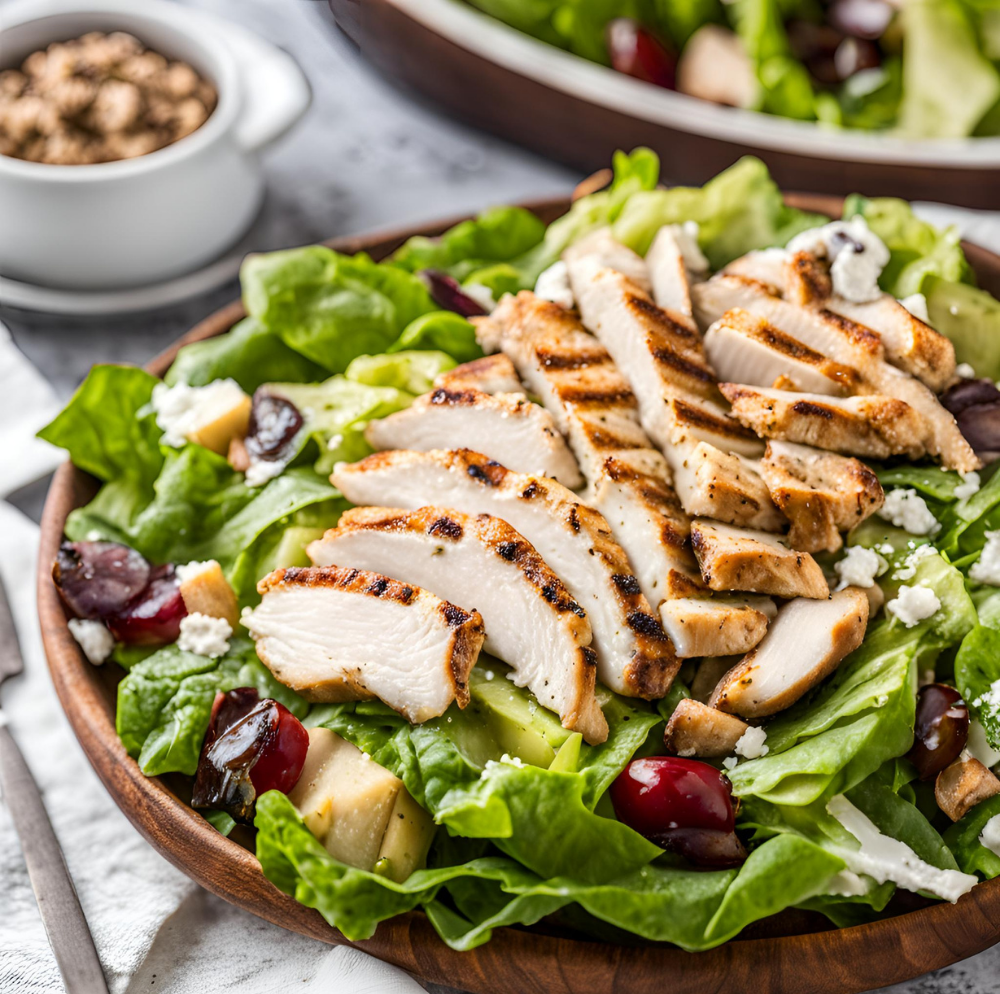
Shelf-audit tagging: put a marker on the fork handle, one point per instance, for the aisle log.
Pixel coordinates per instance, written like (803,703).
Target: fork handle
(58,904)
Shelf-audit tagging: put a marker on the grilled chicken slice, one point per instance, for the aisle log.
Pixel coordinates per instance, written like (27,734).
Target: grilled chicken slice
(671,281)
(507,427)
(719,626)
(846,342)
(964,784)
(741,559)
(602,246)
(335,634)
(821,493)
(572,374)
(909,343)
(804,645)
(710,671)
(634,657)
(715,484)
(695,729)
(876,426)
(492,374)
(746,348)
(536,626)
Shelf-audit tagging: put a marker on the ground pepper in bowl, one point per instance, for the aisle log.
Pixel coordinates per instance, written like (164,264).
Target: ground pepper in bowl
(99,98)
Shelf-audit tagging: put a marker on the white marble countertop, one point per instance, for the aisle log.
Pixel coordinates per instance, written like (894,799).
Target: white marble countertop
(365,157)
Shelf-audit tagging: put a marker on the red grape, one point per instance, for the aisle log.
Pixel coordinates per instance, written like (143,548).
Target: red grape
(680,804)
(252,746)
(636,52)
(154,616)
(941,730)
(274,423)
(448,295)
(861,18)
(99,579)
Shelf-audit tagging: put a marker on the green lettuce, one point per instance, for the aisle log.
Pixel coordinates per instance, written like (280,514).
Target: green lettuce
(970,318)
(441,331)
(977,669)
(165,702)
(963,839)
(739,210)
(331,307)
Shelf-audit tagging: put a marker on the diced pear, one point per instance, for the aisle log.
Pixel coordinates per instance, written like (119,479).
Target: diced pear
(218,433)
(206,590)
(408,836)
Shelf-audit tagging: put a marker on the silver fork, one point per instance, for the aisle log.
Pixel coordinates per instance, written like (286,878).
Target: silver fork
(65,923)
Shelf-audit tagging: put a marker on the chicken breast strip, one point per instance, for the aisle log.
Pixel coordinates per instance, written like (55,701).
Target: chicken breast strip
(351,635)
(507,427)
(491,374)
(634,656)
(535,625)
(873,426)
(846,342)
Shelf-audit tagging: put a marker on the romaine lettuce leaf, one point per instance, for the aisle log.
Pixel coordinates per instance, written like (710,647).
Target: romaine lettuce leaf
(963,839)
(442,331)
(102,430)
(970,318)
(330,307)
(250,353)
(977,668)
(739,210)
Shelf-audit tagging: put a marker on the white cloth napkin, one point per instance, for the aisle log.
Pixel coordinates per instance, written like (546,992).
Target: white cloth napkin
(27,403)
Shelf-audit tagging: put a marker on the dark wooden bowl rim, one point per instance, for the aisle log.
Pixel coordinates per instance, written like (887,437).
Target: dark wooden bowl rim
(839,961)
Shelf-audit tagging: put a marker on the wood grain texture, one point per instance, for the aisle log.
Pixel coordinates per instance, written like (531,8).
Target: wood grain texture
(793,953)
(583,135)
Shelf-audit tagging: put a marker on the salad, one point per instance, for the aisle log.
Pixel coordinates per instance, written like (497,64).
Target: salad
(922,68)
(640,571)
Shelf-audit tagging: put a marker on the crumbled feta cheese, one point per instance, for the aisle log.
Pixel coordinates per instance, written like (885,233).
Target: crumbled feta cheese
(182,409)
(989,703)
(751,744)
(913,605)
(906,509)
(916,304)
(857,256)
(987,568)
(990,835)
(969,487)
(261,470)
(909,568)
(490,675)
(885,549)
(730,762)
(859,567)
(93,536)
(204,635)
(188,571)
(481,294)
(686,235)
(978,745)
(964,370)
(93,637)
(553,284)
(885,858)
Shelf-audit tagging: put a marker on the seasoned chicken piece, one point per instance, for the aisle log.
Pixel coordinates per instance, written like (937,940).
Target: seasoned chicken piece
(913,346)
(535,625)
(768,267)
(710,671)
(964,784)
(695,729)
(634,657)
(492,374)
(507,427)
(874,425)
(804,645)
(745,348)
(821,493)
(658,356)
(718,626)
(342,634)
(670,277)
(741,559)
(909,343)
(716,484)
(607,252)
(843,341)
(572,374)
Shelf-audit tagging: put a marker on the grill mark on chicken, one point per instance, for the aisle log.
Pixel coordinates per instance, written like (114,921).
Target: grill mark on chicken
(673,360)
(703,419)
(446,526)
(554,359)
(626,583)
(808,409)
(808,279)
(647,625)
(660,318)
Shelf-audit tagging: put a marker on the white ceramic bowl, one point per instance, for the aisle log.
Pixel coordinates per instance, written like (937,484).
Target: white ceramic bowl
(126,223)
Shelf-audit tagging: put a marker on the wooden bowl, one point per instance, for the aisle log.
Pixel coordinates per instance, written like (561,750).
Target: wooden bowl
(793,952)
(491,76)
